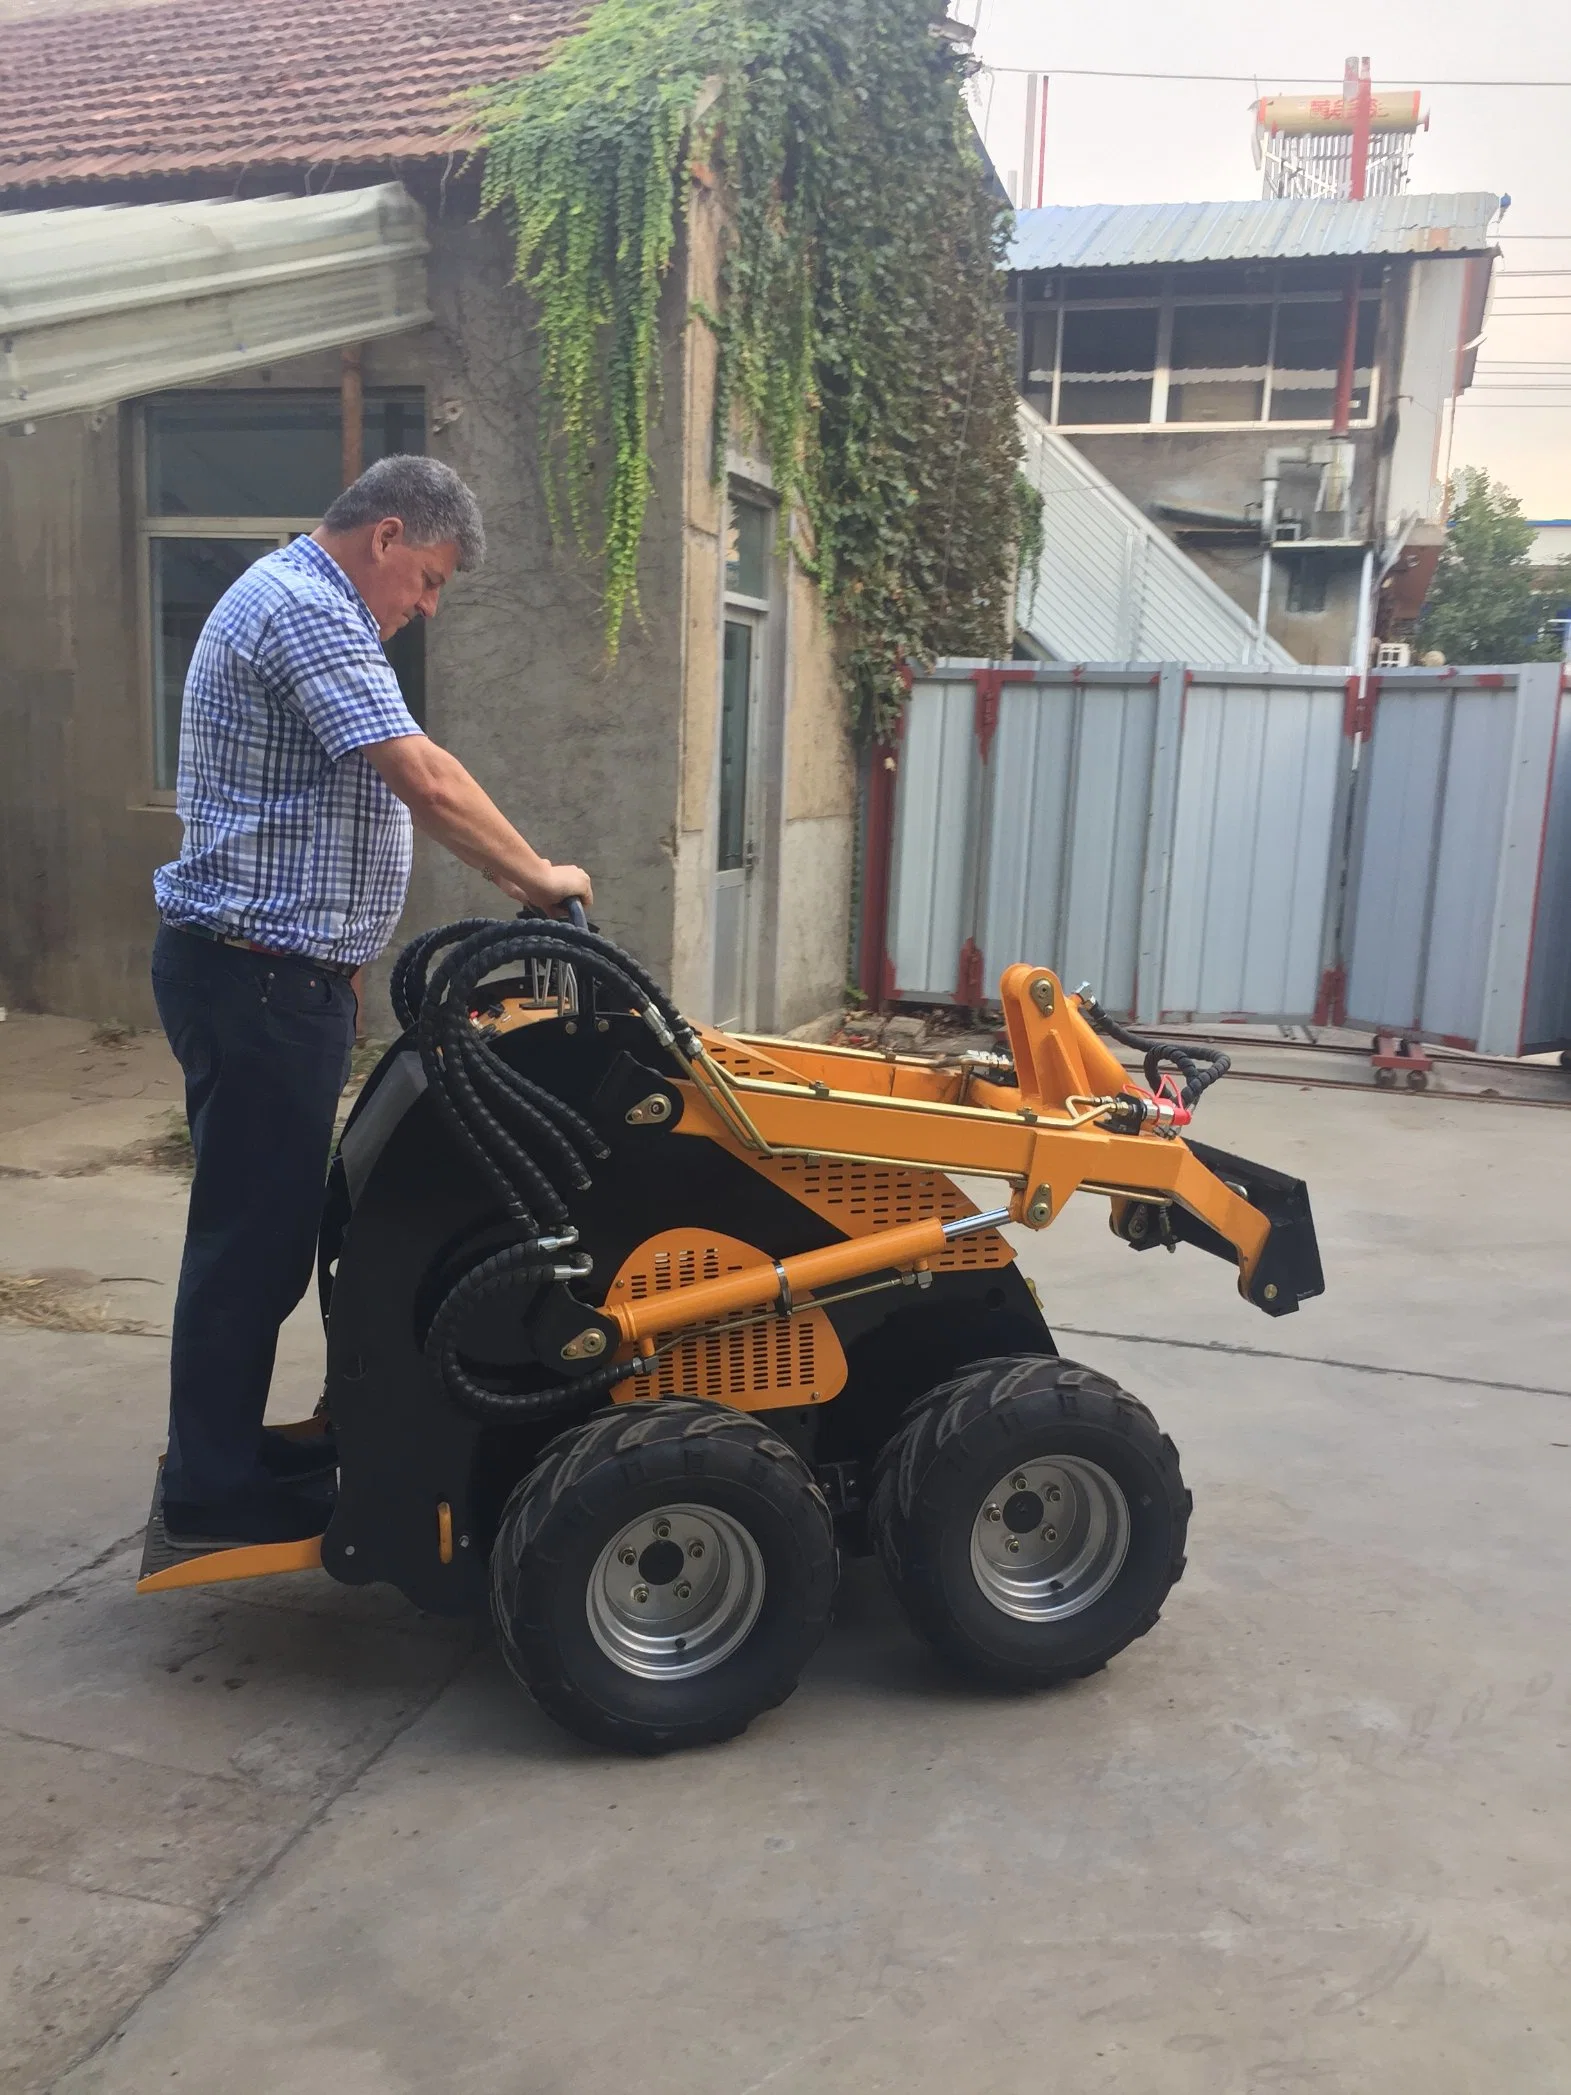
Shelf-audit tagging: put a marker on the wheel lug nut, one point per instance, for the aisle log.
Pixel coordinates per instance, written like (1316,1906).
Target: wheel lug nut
(1020,1483)
(684,1591)
(640,1593)
(1054,1493)
(662,1529)
(1050,1534)
(1013,1544)
(993,1513)
(695,1549)
(628,1556)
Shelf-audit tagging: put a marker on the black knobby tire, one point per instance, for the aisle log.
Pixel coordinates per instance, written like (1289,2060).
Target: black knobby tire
(735,1477)
(1033,1417)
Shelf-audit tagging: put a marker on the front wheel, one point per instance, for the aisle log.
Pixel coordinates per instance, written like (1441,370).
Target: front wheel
(663,1575)
(1031,1517)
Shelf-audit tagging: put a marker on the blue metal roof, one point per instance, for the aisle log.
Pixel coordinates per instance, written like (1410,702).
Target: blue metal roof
(1123,236)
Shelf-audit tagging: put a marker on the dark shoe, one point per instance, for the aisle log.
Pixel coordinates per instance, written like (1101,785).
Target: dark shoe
(292,1456)
(267,1513)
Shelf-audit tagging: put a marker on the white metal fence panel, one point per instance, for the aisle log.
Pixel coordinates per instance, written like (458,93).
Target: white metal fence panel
(934,841)
(1180,839)
(1255,830)
(1548,1022)
(1070,772)
(1452,834)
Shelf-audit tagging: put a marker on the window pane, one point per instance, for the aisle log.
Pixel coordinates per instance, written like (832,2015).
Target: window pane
(1316,403)
(1116,400)
(1241,278)
(1211,338)
(393,423)
(747,549)
(263,454)
(189,576)
(1115,341)
(1309,340)
(1041,348)
(1309,337)
(1306,587)
(1112,283)
(735,703)
(1217,400)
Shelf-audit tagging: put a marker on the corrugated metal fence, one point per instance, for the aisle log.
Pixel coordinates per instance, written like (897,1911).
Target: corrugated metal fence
(1235,844)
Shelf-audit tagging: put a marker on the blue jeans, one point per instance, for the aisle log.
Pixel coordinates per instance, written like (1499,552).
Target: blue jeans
(264,1043)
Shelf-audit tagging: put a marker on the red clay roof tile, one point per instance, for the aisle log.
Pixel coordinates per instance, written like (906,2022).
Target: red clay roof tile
(191,87)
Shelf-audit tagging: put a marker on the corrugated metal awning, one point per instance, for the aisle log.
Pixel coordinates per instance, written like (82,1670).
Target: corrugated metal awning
(102,304)
(1124,236)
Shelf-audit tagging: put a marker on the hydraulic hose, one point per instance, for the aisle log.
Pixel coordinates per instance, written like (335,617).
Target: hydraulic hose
(532,1146)
(1200,1067)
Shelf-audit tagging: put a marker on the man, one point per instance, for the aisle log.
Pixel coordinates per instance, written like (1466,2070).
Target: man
(300,771)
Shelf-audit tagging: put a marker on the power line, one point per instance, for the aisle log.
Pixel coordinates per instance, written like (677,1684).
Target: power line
(1089,72)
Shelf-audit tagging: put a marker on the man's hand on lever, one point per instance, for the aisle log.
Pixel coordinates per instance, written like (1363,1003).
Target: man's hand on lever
(551,889)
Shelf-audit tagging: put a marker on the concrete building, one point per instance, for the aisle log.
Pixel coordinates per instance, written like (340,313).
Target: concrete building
(706,778)
(1551,543)
(1266,385)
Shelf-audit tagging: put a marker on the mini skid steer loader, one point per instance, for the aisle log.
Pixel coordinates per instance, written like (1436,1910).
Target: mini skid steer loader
(633,1325)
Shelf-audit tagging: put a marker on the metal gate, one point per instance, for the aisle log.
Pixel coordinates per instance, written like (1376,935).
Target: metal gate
(1458,918)
(1233,844)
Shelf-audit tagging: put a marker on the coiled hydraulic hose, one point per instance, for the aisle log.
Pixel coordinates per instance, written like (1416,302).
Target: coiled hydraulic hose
(526,1141)
(1200,1067)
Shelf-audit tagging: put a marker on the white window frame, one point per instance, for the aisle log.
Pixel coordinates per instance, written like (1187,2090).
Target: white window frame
(268,532)
(1163,377)
(761,615)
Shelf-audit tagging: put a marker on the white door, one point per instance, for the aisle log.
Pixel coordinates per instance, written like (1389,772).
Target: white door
(736,855)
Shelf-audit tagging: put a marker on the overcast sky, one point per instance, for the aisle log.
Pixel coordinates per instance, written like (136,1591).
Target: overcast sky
(1139,141)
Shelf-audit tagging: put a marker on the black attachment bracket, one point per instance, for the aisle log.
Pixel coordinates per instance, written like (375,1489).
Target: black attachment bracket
(1289,1270)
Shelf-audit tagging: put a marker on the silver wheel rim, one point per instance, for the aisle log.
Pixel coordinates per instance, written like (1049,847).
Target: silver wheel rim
(675,1592)
(1049,1538)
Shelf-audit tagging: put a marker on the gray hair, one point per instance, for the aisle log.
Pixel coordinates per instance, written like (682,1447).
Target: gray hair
(433,504)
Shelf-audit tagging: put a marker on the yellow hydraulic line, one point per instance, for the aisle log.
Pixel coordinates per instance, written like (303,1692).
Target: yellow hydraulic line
(783,1281)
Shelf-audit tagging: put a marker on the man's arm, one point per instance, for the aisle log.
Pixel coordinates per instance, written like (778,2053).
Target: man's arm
(448,805)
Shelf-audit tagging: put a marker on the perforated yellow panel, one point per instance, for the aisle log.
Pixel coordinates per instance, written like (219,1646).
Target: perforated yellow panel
(747,1061)
(752,1365)
(859,1198)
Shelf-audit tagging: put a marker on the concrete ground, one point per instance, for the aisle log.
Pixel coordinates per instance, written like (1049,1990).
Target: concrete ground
(1312,1833)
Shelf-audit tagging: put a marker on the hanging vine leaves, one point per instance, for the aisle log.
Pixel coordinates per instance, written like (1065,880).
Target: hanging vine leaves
(860,324)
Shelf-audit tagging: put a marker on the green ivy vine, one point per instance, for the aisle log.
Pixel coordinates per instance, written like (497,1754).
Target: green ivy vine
(860,322)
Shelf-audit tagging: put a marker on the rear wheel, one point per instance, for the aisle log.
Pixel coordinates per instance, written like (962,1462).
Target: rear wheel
(1032,1517)
(663,1575)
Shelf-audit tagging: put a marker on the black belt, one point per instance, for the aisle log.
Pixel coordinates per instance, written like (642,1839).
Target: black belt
(250,945)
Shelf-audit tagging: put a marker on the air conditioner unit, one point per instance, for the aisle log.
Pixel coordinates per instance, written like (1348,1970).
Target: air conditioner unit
(1393,654)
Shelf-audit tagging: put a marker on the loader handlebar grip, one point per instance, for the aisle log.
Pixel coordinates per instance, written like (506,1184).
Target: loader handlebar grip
(576,915)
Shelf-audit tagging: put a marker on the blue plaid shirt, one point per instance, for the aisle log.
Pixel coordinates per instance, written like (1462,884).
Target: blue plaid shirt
(291,837)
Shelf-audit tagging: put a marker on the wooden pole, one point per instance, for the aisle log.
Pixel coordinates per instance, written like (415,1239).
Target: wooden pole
(1041,149)
(1342,412)
(1028,156)
(1363,112)
(351,409)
